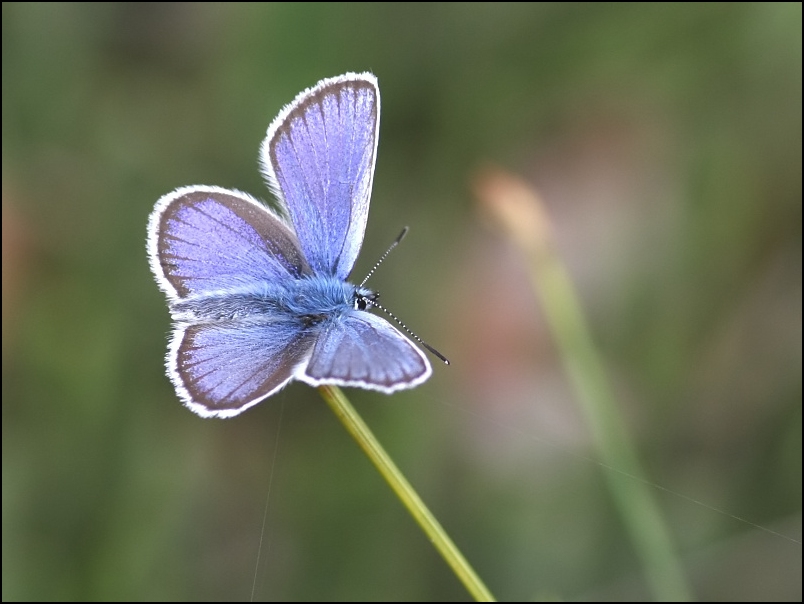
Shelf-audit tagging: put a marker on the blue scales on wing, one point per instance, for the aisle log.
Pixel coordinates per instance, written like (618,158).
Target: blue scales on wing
(318,158)
(210,239)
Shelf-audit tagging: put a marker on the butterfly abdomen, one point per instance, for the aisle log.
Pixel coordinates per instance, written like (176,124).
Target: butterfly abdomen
(308,300)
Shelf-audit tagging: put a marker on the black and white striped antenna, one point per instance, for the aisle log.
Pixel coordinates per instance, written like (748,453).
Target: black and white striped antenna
(385,255)
(373,301)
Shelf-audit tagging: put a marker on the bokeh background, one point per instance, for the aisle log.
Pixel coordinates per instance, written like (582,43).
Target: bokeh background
(665,140)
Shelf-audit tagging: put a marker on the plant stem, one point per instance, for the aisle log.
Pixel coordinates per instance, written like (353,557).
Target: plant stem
(519,210)
(355,425)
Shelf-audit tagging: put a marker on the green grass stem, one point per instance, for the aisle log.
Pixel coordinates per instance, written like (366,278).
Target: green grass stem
(355,425)
(514,205)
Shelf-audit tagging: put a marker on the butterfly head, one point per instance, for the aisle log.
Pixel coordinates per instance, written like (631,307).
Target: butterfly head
(364,298)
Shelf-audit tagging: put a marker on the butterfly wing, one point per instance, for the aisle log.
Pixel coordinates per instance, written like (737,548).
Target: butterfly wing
(208,241)
(364,350)
(318,158)
(222,369)
(203,240)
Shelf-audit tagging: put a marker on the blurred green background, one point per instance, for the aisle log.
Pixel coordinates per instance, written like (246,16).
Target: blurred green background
(666,142)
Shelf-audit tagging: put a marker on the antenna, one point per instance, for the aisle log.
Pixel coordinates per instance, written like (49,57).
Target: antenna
(409,332)
(388,251)
(372,301)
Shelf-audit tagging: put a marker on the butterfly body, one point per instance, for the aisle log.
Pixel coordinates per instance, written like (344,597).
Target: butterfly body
(307,301)
(259,297)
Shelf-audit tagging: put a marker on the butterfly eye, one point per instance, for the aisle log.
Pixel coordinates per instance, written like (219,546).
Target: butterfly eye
(364,301)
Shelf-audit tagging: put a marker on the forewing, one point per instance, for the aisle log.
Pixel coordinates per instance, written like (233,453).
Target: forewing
(364,350)
(318,159)
(222,369)
(207,239)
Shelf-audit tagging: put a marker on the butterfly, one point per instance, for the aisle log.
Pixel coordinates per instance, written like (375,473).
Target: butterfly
(260,297)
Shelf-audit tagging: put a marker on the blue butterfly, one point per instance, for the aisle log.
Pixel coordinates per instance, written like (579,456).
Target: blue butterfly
(259,298)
